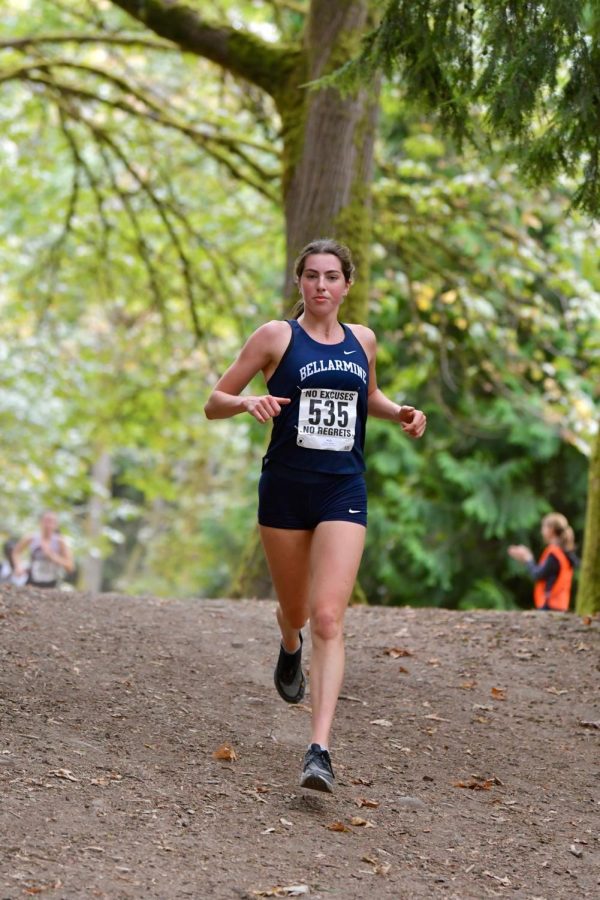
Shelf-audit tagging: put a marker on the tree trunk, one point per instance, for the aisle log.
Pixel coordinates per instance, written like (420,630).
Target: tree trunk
(328,142)
(588,595)
(328,157)
(328,163)
(91,570)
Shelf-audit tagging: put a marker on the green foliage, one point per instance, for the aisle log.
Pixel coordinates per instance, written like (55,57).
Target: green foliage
(487,320)
(109,142)
(532,68)
(487,594)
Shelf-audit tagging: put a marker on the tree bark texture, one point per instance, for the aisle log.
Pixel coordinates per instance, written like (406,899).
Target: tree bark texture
(91,569)
(329,160)
(588,594)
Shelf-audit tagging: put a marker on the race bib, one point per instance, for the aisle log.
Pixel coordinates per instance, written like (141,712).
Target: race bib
(327,419)
(43,571)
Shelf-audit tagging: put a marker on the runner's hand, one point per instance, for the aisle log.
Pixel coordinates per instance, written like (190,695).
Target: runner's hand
(413,421)
(265,408)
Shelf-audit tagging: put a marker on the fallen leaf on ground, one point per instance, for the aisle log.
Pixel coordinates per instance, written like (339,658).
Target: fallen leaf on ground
(586,724)
(337,826)
(106,779)
(553,690)
(352,699)
(40,888)
(468,685)
(397,652)
(251,792)
(367,782)
(403,669)
(476,784)
(363,801)
(379,868)
(358,822)
(586,620)
(63,773)
(384,723)
(505,880)
(576,851)
(225,752)
(292,890)
(498,693)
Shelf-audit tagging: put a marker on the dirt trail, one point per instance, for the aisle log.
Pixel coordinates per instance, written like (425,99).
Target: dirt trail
(476,744)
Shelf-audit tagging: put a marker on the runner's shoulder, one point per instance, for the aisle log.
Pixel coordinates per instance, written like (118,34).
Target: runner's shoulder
(276,328)
(366,336)
(269,341)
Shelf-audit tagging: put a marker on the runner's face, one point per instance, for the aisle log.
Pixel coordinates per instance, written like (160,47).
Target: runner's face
(322,283)
(548,533)
(49,523)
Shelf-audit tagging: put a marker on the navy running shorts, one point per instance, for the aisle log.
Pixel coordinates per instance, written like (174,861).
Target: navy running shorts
(294,498)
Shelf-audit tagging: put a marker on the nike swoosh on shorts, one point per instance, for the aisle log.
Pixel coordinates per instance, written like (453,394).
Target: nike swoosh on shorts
(354,510)
(348,352)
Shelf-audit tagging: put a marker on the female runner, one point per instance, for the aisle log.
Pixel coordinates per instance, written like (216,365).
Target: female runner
(312,513)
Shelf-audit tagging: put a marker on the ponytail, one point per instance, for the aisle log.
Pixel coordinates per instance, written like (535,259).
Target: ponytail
(567,539)
(561,528)
(297,309)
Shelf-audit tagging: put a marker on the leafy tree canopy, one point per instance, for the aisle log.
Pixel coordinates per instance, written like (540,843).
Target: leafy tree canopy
(532,69)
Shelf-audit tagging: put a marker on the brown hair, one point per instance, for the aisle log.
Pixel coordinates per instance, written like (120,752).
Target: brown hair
(561,528)
(322,245)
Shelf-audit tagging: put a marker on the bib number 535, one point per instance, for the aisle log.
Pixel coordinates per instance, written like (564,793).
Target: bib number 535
(327,419)
(328,412)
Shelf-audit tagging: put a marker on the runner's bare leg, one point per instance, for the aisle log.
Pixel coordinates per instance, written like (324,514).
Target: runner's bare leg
(288,556)
(336,551)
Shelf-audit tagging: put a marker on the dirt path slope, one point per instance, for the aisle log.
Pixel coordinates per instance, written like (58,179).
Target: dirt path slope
(467,756)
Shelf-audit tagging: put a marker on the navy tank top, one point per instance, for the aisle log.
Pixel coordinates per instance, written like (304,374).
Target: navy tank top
(323,428)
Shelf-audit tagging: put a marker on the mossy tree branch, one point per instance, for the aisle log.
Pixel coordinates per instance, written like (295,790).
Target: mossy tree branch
(239,52)
(75,37)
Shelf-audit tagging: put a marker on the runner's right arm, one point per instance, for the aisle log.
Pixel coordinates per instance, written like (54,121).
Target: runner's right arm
(21,546)
(257,355)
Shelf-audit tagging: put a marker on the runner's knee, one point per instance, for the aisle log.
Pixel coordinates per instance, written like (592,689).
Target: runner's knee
(326,624)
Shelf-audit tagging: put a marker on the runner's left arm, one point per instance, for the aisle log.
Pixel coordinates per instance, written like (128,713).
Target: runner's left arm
(413,421)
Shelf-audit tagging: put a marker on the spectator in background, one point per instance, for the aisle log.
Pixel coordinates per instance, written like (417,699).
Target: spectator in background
(7,569)
(553,573)
(49,553)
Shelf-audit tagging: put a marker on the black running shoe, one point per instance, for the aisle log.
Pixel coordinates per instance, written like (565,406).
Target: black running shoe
(289,677)
(316,771)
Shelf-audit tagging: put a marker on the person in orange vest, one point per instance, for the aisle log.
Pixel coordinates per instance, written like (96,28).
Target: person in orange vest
(553,572)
